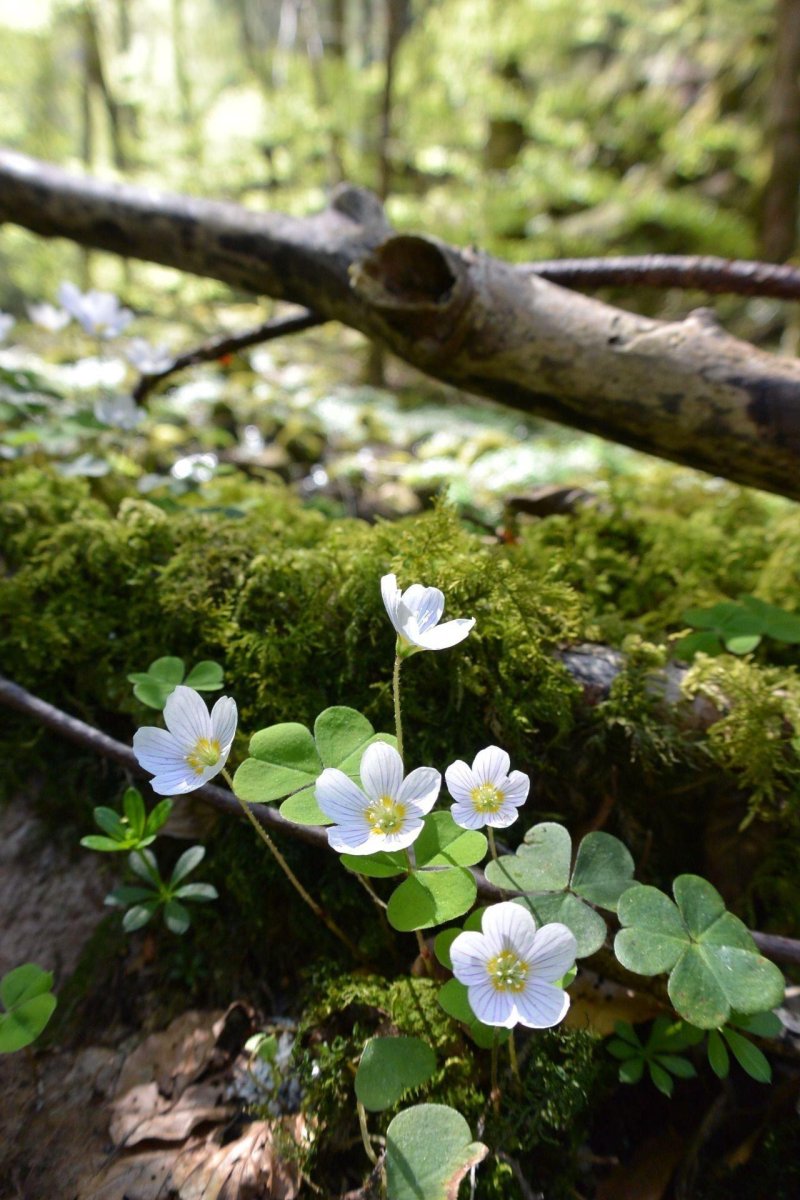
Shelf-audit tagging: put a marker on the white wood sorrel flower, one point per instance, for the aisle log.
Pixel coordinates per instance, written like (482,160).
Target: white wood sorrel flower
(388,813)
(511,966)
(415,614)
(485,793)
(193,748)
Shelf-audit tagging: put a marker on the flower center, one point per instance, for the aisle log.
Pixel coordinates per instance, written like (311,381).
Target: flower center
(507,972)
(206,753)
(385,815)
(487,798)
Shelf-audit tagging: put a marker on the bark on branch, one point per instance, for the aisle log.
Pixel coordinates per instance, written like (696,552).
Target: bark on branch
(684,390)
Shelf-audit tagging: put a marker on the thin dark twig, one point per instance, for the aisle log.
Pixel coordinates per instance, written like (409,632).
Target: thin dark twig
(702,272)
(218,347)
(780,949)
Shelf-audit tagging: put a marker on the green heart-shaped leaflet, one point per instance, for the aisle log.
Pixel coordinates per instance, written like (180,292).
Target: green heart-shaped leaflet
(541,870)
(389,1067)
(428,1152)
(713,963)
(429,898)
(29,1004)
(286,759)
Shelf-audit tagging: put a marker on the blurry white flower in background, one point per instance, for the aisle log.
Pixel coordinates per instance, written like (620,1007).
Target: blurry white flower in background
(150,360)
(198,468)
(48,317)
(119,411)
(99,313)
(7,323)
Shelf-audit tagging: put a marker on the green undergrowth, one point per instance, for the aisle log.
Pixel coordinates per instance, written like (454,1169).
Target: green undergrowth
(288,601)
(541,1122)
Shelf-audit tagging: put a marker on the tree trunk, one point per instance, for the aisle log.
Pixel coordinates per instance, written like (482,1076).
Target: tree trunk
(685,390)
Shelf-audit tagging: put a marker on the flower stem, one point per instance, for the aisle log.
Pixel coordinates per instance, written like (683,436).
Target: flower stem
(490,837)
(317,910)
(512,1054)
(494,1087)
(398,721)
(362,1124)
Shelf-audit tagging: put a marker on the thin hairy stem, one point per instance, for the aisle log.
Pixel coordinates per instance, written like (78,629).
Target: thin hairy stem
(398,719)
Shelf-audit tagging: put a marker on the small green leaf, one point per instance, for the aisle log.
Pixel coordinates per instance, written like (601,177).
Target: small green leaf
(699,903)
(176,918)
(133,807)
(628,1034)
(762,1024)
(205,676)
(187,862)
(441,946)
(158,816)
(442,843)
(111,823)
(748,1056)
(342,735)
(654,937)
(138,916)
(698,643)
(152,693)
(283,759)
(428,1152)
(24,1023)
(389,1067)
(95,841)
(588,926)
(198,892)
(429,898)
(718,1055)
(23,983)
(302,808)
(631,1071)
(541,863)
(660,1078)
(776,623)
(123,897)
(376,866)
(167,670)
(681,1067)
(742,643)
(624,1050)
(603,870)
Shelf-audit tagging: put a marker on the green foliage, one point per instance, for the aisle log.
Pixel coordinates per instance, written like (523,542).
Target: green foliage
(660,1054)
(142,901)
(554,891)
(28,1005)
(738,628)
(389,1067)
(712,961)
(429,1149)
(154,686)
(134,830)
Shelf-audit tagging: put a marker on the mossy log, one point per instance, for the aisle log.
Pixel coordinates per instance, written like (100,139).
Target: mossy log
(684,390)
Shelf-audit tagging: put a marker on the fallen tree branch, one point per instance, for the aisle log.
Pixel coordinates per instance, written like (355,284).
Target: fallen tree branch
(780,949)
(704,273)
(217,347)
(684,390)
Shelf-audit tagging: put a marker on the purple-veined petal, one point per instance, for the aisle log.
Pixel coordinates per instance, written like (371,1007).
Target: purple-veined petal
(156,749)
(402,839)
(390,593)
(541,1005)
(469,957)
(508,926)
(340,798)
(426,604)
(491,1006)
(515,789)
(460,781)
(223,722)
(381,771)
(351,838)
(442,637)
(506,815)
(491,766)
(176,780)
(554,951)
(467,817)
(187,718)
(420,788)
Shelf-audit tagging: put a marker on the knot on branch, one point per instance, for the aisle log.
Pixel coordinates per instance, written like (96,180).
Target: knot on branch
(359,205)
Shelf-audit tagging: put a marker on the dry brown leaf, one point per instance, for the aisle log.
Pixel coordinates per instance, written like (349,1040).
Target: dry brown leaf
(175,1057)
(647,1176)
(598,1003)
(142,1113)
(246,1169)
(143,1176)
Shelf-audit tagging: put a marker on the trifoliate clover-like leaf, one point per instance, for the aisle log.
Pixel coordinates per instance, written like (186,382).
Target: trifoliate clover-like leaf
(429,898)
(428,1152)
(154,686)
(713,963)
(389,1067)
(285,761)
(540,869)
(28,1003)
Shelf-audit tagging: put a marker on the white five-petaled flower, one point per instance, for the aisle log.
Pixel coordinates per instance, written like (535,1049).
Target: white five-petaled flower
(99,313)
(193,748)
(485,793)
(415,614)
(511,966)
(7,323)
(388,813)
(48,317)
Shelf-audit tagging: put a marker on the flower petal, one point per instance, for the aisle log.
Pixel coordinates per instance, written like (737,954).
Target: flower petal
(178,779)
(491,766)
(424,604)
(516,788)
(460,781)
(340,798)
(390,594)
(541,1005)
(420,788)
(554,951)
(381,771)
(352,838)
(186,717)
(491,1006)
(469,818)
(506,815)
(469,957)
(223,722)
(441,637)
(508,925)
(156,749)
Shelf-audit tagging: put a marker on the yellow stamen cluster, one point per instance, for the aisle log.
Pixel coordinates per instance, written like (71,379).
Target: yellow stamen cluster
(486,798)
(385,815)
(206,753)
(507,972)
